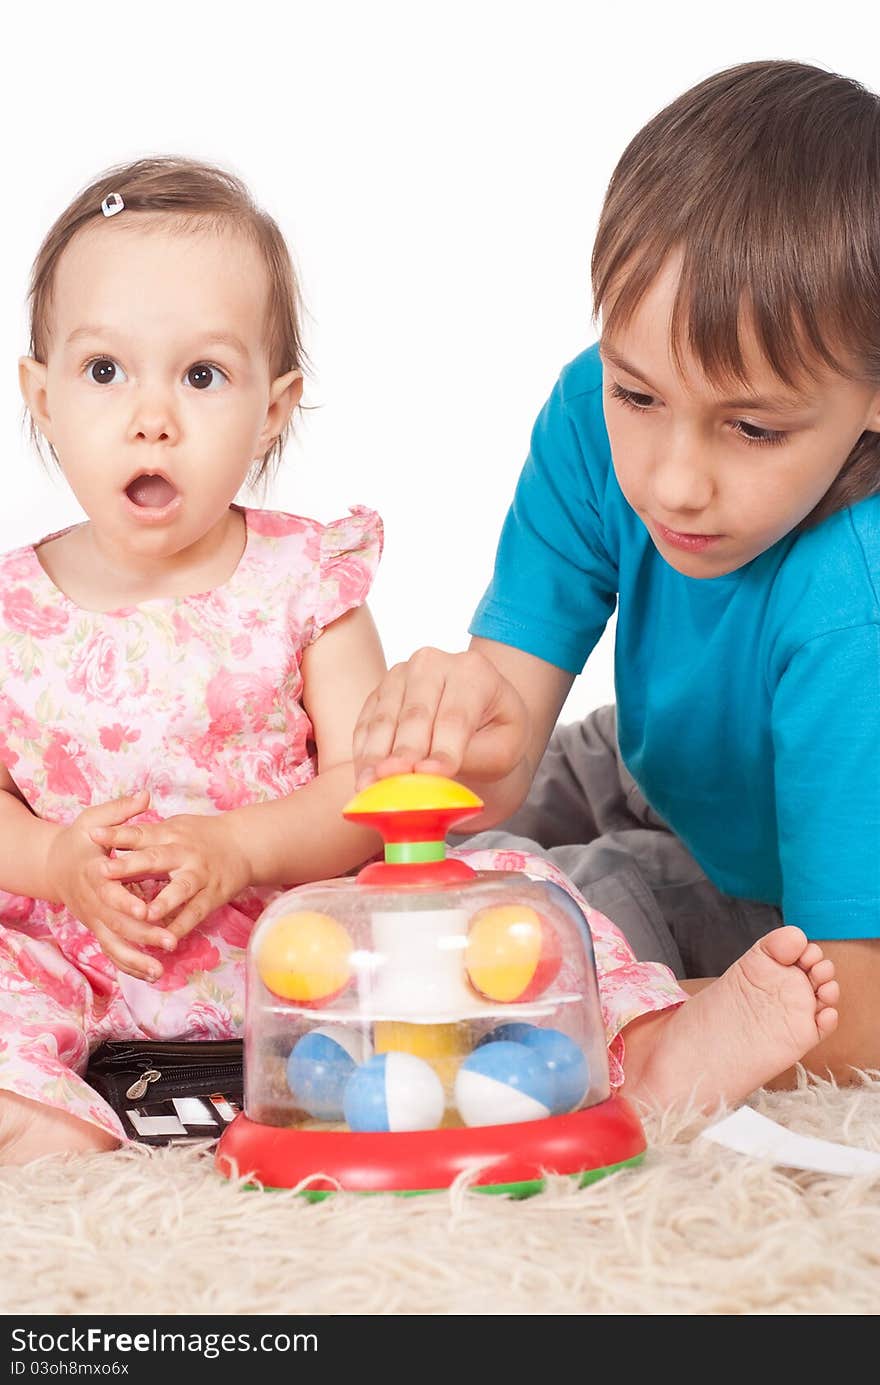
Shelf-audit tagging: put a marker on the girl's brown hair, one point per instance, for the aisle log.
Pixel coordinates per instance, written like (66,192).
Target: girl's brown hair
(193,196)
(766,177)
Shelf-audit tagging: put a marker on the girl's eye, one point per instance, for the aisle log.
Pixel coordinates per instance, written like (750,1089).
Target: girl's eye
(204,376)
(749,432)
(103,371)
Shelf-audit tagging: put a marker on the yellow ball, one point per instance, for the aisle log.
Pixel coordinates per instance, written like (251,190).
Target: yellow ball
(512,953)
(305,957)
(441,1045)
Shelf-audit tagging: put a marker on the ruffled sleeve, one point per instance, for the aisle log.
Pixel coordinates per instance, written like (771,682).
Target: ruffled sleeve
(349,556)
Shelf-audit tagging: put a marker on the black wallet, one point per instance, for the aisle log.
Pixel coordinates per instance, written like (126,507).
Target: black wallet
(170,1092)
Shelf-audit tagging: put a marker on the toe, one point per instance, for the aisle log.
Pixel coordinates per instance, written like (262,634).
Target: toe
(826,1020)
(828,993)
(811,954)
(785,945)
(821,972)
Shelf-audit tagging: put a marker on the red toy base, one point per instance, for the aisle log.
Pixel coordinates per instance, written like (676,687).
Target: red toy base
(597,1138)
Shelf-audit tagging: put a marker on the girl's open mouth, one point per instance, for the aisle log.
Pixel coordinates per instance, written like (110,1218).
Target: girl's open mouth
(148,491)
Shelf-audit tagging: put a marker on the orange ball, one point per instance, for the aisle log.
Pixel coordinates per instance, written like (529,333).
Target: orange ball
(305,957)
(512,953)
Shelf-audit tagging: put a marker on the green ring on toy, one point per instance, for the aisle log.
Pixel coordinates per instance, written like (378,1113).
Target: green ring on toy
(409,853)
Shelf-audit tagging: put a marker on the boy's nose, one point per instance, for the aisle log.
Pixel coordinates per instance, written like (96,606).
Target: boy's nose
(682,481)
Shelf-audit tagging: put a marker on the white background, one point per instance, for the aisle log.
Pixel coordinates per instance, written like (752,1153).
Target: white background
(438,171)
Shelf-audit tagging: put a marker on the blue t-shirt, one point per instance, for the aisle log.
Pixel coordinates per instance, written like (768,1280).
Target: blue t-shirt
(748,705)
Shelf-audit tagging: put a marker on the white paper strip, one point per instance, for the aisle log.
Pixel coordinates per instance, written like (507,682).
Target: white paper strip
(192,1111)
(156,1125)
(747,1132)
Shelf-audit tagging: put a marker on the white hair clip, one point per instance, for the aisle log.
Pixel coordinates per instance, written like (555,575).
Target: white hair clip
(112,204)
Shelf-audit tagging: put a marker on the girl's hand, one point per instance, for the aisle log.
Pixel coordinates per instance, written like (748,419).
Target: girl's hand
(77,876)
(440,714)
(203,856)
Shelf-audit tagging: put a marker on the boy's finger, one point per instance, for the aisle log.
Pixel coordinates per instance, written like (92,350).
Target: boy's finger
(414,735)
(454,726)
(362,725)
(377,730)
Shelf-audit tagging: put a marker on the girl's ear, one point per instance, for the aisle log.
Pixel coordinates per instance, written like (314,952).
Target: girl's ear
(284,395)
(32,382)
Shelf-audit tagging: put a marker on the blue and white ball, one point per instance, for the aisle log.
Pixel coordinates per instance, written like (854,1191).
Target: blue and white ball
(565,1060)
(320,1066)
(503,1083)
(394,1091)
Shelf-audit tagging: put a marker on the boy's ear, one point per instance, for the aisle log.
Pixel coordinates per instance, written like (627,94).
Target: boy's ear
(284,395)
(873,423)
(32,382)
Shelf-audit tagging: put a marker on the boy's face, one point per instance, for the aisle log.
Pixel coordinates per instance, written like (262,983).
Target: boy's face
(718,477)
(138,384)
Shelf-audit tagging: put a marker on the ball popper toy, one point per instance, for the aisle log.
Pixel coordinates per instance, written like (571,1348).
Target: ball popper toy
(441,1045)
(512,953)
(422,1020)
(565,1061)
(394,1091)
(320,1065)
(305,957)
(501,1083)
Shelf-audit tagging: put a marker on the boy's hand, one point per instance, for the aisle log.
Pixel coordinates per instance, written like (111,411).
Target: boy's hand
(203,856)
(440,714)
(77,876)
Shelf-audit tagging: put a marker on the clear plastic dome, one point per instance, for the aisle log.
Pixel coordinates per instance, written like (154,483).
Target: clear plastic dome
(422,1005)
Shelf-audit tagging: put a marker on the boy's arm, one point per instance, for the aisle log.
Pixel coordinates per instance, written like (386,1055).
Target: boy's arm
(543,688)
(482,716)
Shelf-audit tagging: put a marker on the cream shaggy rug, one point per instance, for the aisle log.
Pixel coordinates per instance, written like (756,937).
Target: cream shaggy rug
(696,1229)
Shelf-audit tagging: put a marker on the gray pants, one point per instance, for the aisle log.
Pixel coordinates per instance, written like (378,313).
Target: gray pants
(587,814)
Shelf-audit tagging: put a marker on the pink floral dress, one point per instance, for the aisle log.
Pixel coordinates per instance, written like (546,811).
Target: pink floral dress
(197,698)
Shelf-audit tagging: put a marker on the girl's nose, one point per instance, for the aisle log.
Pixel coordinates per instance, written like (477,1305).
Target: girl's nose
(154,419)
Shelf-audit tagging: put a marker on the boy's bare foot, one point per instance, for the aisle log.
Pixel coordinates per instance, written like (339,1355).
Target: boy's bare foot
(28,1129)
(768,1010)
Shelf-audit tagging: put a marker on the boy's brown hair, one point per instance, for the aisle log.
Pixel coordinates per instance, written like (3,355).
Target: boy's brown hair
(766,177)
(194,196)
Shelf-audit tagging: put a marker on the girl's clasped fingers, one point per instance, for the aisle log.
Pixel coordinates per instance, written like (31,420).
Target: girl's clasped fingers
(128,958)
(144,934)
(116,897)
(127,837)
(181,888)
(138,865)
(191,915)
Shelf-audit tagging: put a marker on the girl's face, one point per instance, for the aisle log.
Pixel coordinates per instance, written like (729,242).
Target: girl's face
(157,394)
(717,479)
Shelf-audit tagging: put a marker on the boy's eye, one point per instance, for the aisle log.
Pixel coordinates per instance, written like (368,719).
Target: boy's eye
(749,432)
(204,376)
(752,433)
(104,371)
(637,401)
